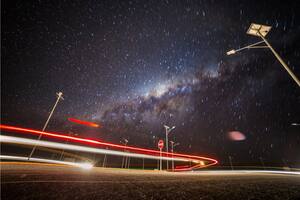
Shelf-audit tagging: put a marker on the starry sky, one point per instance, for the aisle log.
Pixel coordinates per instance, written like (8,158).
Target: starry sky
(133,66)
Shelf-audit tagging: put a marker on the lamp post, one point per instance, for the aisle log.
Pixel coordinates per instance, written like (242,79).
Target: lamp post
(261,31)
(128,162)
(124,157)
(59,96)
(104,160)
(168,130)
(286,166)
(230,161)
(262,162)
(63,151)
(173,144)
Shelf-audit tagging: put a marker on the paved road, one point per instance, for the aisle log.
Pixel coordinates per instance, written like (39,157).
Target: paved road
(41,181)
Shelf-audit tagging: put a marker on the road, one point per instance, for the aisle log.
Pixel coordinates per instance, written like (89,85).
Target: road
(49,181)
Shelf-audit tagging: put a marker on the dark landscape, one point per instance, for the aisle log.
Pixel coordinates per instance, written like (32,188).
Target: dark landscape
(40,181)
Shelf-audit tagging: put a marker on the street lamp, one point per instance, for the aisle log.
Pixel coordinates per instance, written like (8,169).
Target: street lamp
(251,46)
(168,130)
(261,31)
(173,144)
(59,96)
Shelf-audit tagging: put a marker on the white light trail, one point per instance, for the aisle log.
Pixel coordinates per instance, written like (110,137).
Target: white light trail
(247,172)
(71,147)
(20,158)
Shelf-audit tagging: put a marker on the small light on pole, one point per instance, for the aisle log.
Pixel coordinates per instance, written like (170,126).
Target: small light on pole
(231,52)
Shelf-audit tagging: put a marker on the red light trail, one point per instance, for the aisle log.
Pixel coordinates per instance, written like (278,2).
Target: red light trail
(196,159)
(85,123)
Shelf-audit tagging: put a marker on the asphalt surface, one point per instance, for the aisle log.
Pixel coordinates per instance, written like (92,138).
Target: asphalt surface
(42,181)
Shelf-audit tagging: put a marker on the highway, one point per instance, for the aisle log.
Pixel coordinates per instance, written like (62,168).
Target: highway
(20,180)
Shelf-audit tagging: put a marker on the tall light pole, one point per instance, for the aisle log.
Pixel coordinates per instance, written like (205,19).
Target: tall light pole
(173,144)
(262,162)
(104,160)
(160,160)
(143,164)
(124,157)
(128,162)
(230,161)
(261,31)
(286,166)
(59,97)
(168,130)
(63,151)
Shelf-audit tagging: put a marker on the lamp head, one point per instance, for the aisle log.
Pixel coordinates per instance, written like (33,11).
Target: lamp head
(166,127)
(258,30)
(231,52)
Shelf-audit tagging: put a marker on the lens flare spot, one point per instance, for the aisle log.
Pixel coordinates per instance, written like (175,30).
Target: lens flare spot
(236,136)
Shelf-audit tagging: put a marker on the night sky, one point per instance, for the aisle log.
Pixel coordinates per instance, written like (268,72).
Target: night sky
(133,66)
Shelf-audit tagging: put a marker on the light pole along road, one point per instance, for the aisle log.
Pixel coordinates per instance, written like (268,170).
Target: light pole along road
(124,160)
(59,97)
(173,144)
(261,31)
(168,130)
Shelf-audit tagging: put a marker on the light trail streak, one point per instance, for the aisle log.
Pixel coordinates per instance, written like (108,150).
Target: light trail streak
(85,123)
(20,158)
(68,154)
(72,147)
(246,172)
(194,159)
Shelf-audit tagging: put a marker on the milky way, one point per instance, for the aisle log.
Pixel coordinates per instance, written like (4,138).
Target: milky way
(133,66)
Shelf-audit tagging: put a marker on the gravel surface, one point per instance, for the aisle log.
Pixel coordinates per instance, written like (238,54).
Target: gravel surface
(40,181)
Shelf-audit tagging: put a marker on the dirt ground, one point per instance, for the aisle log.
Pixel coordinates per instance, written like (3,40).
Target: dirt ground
(42,181)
